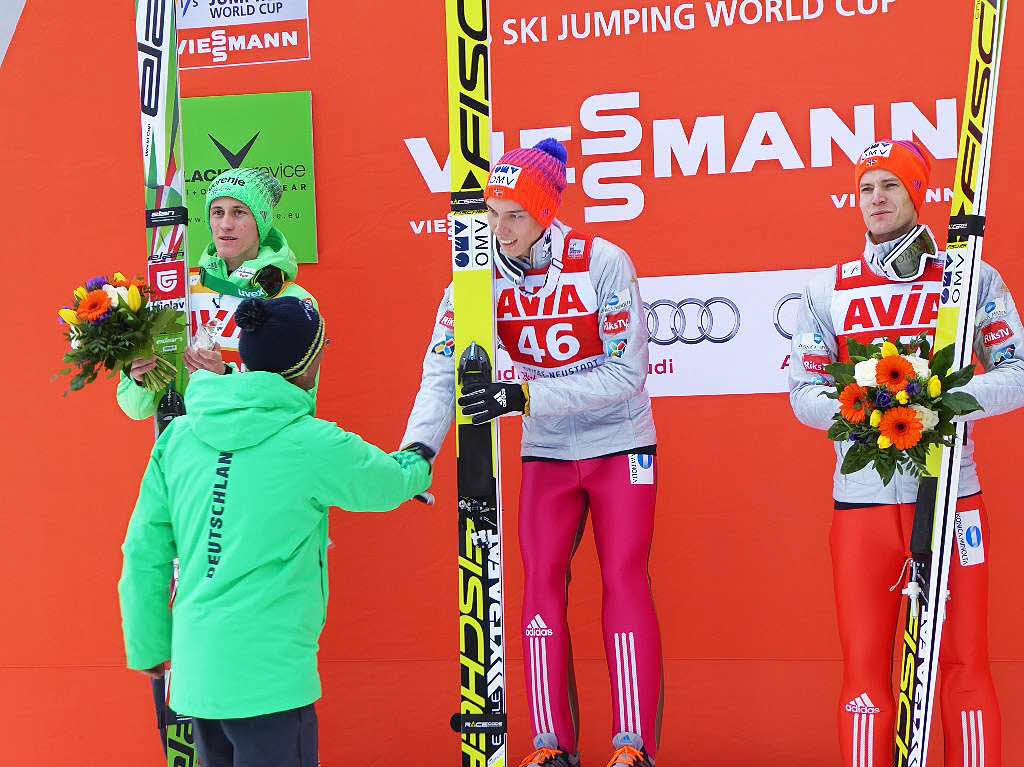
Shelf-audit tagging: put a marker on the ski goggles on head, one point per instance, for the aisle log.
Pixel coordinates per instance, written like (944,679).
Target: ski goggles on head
(907,261)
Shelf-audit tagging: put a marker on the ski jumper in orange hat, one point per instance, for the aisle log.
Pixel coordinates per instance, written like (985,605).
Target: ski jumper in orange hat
(870,298)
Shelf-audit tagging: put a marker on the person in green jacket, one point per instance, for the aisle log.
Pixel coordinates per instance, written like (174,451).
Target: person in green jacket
(238,491)
(248,257)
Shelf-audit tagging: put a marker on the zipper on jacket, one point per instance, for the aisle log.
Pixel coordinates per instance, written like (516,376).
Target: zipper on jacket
(323,595)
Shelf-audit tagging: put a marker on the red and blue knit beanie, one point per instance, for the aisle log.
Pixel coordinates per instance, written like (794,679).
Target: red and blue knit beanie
(535,178)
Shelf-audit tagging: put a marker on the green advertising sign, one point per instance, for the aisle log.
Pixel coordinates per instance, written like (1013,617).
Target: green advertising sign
(270,131)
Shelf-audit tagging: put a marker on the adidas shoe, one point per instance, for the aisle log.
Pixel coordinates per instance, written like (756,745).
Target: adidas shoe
(548,754)
(630,752)
(548,757)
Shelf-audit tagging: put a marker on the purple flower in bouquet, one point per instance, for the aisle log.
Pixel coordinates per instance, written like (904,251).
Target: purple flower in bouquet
(96,283)
(913,389)
(883,398)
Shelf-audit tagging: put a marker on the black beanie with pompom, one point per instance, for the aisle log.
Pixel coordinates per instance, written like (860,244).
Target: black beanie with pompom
(279,335)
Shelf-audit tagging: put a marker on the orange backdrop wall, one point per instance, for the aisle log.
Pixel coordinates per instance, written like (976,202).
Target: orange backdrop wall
(740,563)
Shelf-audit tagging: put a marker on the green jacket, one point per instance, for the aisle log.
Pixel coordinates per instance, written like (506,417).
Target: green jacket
(238,490)
(140,403)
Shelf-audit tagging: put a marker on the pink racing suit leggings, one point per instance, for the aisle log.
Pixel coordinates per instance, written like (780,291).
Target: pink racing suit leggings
(618,492)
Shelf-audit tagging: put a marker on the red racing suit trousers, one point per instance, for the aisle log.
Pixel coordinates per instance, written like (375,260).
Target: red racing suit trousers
(869,546)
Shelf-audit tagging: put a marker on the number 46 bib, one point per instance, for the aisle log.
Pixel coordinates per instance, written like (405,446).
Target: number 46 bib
(552,330)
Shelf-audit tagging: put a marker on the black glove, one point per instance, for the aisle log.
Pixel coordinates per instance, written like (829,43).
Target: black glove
(485,402)
(421,450)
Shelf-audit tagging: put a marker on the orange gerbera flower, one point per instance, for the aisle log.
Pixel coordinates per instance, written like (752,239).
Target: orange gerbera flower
(95,304)
(894,372)
(902,426)
(853,403)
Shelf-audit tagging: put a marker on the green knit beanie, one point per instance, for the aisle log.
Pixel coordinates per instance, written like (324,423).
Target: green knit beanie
(256,188)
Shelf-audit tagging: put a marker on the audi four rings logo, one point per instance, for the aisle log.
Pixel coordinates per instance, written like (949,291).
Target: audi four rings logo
(777,315)
(667,323)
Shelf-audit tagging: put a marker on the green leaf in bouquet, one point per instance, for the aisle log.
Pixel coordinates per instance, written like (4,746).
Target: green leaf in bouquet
(859,351)
(959,378)
(839,430)
(166,321)
(959,402)
(839,370)
(886,467)
(941,361)
(857,457)
(924,347)
(830,393)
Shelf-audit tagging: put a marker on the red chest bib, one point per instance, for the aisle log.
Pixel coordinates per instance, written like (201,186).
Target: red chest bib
(870,309)
(552,330)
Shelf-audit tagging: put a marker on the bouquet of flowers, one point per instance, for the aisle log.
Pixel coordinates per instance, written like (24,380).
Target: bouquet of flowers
(111,323)
(894,403)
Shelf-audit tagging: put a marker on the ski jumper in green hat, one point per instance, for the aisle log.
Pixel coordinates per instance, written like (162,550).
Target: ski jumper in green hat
(247,257)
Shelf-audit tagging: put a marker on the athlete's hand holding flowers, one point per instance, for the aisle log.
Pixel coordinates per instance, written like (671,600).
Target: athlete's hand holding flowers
(111,324)
(894,404)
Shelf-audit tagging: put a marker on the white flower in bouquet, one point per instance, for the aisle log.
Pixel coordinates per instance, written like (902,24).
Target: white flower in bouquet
(864,372)
(929,418)
(920,366)
(118,295)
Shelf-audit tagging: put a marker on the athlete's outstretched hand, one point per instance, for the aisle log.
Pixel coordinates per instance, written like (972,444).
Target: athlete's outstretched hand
(487,401)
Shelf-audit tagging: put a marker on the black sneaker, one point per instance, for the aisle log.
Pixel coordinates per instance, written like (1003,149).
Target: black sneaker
(548,754)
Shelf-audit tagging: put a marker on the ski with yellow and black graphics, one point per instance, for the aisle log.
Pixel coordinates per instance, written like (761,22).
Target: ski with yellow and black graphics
(166,261)
(932,539)
(481,718)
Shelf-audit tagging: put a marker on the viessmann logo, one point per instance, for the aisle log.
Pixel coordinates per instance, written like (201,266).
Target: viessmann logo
(219,44)
(615,168)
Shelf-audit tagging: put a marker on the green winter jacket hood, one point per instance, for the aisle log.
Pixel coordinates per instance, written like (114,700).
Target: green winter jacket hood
(274,251)
(238,491)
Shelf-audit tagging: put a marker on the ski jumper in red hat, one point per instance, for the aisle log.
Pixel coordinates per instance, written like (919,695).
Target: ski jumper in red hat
(570,316)
(872,522)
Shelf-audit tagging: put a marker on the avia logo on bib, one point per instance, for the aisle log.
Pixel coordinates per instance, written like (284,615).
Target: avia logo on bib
(913,308)
(564,301)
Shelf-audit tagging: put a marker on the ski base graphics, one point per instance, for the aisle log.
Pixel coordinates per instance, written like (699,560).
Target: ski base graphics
(932,544)
(481,719)
(166,223)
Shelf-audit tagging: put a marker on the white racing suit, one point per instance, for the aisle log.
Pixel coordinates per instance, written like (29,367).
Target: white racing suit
(586,373)
(575,330)
(872,523)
